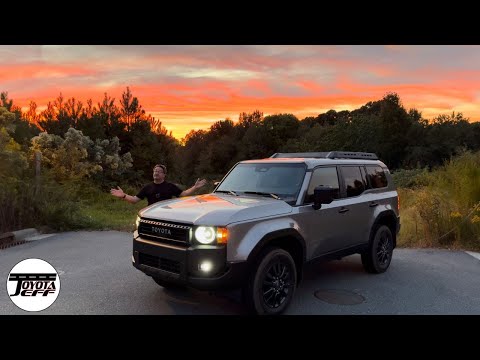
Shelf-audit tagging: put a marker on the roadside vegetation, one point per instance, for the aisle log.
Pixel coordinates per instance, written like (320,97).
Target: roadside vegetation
(441,208)
(58,165)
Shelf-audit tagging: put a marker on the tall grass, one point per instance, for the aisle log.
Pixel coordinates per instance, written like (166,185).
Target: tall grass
(51,206)
(442,208)
(46,204)
(105,211)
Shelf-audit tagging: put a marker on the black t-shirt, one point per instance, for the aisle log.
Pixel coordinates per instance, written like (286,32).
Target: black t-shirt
(158,192)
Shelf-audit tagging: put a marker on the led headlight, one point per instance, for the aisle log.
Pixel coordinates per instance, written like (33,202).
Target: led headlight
(208,235)
(205,234)
(137,222)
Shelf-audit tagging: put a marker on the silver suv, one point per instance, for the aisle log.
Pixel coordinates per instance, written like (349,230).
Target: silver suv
(266,219)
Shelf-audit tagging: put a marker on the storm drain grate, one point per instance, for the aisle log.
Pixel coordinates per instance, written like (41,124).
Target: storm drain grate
(339,297)
(7,245)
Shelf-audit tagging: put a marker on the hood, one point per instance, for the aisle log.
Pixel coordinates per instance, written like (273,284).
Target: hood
(215,209)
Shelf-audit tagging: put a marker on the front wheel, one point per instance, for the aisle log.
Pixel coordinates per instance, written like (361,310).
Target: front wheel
(272,284)
(376,259)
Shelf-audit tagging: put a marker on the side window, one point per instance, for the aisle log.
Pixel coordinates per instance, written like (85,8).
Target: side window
(364,178)
(354,183)
(376,177)
(326,176)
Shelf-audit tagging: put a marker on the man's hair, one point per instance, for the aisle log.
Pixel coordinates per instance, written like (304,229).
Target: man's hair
(164,168)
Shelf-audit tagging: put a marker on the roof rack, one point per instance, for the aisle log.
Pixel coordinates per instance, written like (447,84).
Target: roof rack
(328,155)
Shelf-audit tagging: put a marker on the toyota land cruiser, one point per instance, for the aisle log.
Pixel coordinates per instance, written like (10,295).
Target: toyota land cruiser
(266,219)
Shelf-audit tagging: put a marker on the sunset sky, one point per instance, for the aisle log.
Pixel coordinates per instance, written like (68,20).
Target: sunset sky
(191,87)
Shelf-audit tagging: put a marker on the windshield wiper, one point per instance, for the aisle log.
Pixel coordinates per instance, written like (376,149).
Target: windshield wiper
(231,192)
(275,196)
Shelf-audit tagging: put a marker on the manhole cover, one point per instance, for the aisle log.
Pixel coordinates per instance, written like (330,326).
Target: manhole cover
(339,297)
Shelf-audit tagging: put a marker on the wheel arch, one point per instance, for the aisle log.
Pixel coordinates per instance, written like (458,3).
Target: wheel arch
(289,240)
(389,219)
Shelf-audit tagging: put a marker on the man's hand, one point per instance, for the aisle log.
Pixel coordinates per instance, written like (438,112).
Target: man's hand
(199,183)
(117,192)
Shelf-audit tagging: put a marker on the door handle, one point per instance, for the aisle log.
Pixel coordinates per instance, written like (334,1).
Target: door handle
(343,210)
(373,204)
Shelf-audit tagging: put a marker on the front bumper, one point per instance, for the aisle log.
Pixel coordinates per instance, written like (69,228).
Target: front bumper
(182,265)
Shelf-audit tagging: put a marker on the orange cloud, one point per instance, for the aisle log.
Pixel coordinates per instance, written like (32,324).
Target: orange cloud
(37,71)
(192,87)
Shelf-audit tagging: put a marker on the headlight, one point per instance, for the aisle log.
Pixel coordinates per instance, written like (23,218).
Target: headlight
(137,222)
(211,235)
(205,234)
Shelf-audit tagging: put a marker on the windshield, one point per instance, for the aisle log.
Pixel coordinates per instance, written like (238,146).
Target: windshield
(282,180)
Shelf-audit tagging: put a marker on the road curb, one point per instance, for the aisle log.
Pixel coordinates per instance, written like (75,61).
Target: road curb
(23,234)
(474,254)
(17,237)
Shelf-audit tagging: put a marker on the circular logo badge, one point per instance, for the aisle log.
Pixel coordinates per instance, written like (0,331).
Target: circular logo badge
(33,285)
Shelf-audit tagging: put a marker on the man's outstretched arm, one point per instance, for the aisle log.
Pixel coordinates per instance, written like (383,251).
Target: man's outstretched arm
(198,184)
(120,194)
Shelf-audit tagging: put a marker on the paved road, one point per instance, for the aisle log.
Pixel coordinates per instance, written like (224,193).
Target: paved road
(97,278)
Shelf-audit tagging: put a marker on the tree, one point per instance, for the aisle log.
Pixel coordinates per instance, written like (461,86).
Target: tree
(130,109)
(12,160)
(195,144)
(5,102)
(280,128)
(76,156)
(19,129)
(56,119)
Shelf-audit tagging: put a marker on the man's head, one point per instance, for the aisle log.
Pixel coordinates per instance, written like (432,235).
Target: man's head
(159,172)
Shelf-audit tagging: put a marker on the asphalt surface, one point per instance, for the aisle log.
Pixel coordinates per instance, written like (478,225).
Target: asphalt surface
(97,277)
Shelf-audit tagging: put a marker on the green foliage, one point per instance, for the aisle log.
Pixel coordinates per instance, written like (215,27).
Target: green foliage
(13,164)
(26,203)
(67,157)
(12,160)
(77,156)
(54,205)
(87,148)
(410,178)
(6,118)
(103,211)
(446,210)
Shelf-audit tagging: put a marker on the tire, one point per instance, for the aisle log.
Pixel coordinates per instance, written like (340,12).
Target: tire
(378,256)
(166,284)
(272,283)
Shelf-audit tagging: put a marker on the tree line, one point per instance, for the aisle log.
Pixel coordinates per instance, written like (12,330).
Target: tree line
(114,143)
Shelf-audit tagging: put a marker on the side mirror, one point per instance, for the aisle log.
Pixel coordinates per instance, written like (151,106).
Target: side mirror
(322,195)
(216,183)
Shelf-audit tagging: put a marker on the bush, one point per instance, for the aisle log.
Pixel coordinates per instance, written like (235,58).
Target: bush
(446,211)
(24,204)
(411,178)
(76,156)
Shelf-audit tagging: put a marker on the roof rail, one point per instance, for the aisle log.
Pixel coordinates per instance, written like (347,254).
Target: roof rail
(321,155)
(328,155)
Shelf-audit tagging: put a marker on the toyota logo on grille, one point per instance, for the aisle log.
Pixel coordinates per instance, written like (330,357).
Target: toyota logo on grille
(162,231)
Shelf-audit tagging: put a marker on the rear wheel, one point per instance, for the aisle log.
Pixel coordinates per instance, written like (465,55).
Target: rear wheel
(271,286)
(378,256)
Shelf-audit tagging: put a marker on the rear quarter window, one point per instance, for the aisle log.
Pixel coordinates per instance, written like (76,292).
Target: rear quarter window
(376,177)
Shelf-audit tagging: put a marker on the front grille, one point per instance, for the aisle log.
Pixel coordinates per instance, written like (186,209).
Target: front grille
(165,232)
(160,263)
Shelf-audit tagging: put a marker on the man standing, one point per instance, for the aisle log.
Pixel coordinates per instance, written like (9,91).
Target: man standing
(158,190)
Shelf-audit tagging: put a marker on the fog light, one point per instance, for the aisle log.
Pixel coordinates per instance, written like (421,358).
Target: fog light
(206,266)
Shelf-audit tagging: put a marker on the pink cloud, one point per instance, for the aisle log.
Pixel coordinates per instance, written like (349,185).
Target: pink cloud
(230,80)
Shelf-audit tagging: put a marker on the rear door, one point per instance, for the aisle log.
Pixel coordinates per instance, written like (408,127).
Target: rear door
(354,214)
